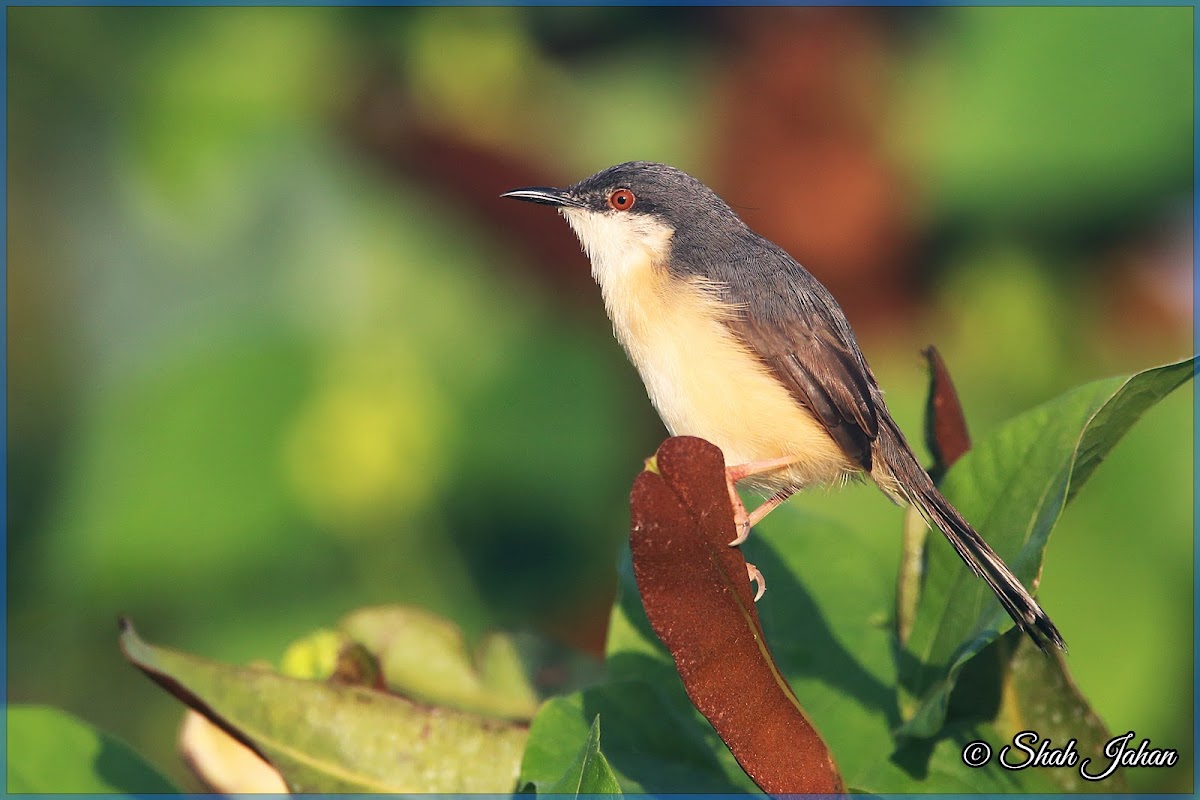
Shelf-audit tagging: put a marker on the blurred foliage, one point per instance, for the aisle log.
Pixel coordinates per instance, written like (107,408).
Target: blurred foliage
(1002,111)
(260,376)
(53,752)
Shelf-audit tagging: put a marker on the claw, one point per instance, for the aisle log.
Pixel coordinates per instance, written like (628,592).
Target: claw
(741,523)
(757,577)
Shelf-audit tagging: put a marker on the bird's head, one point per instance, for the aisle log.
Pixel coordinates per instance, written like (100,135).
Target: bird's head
(633,211)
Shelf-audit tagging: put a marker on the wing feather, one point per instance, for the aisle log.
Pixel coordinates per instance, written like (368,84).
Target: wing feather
(802,336)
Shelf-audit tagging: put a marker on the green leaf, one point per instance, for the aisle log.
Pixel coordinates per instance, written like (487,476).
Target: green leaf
(825,619)
(426,657)
(651,743)
(1012,486)
(339,738)
(50,751)
(1040,695)
(590,772)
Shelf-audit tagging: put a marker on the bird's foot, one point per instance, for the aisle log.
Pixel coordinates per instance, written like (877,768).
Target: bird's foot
(741,518)
(756,577)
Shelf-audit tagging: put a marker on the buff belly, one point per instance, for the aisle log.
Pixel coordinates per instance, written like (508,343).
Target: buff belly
(704,382)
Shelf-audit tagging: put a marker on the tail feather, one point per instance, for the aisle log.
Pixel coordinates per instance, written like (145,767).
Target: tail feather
(915,486)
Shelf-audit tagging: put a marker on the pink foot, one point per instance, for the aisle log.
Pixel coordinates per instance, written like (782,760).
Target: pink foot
(741,519)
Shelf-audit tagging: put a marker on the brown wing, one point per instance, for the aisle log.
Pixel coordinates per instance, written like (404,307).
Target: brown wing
(795,326)
(822,373)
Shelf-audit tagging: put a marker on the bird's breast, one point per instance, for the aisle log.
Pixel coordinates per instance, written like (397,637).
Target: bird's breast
(705,382)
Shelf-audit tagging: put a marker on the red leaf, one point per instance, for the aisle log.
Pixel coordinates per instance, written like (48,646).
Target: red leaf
(698,598)
(945,426)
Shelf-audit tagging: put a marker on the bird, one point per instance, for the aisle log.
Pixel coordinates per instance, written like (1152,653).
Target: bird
(739,344)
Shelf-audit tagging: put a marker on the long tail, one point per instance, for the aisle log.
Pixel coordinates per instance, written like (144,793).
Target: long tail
(914,485)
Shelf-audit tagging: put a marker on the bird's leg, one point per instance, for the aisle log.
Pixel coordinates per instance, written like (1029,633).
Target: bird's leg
(742,520)
(770,504)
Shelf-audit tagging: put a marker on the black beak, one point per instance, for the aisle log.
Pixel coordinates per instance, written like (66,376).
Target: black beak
(547,196)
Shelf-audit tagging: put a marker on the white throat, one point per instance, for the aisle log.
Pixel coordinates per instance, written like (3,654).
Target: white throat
(618,244)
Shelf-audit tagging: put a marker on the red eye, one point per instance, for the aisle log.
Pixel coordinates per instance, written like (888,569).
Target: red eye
(621,200)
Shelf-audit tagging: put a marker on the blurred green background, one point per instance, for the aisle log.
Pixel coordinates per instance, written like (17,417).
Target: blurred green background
(277,350)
